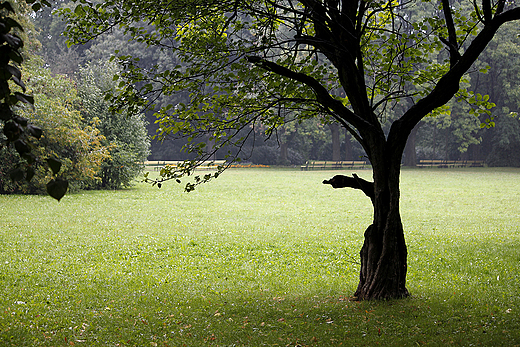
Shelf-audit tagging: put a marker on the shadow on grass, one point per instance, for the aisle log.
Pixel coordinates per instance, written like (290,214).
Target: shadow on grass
(256,318)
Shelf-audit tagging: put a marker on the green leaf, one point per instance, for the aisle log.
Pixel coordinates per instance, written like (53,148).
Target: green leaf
(55,165)
(79,11)
(11,23)
(29,157)
(14,71)
(29,174)
(36,7)
(24,98)
(34,131)
(21,147)
(57,188)
(5,112)
(15,56)
(12,130)
(17,174)
(7,6)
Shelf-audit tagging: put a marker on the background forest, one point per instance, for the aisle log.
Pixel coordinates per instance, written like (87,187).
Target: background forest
(453,133)
(105,148)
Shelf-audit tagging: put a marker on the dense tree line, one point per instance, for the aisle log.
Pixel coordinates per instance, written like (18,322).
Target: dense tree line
(459,134)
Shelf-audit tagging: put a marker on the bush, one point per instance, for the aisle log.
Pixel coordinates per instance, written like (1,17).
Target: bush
(66,137)
(125,134)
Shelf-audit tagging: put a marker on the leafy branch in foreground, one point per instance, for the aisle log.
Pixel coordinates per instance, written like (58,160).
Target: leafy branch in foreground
(16,129)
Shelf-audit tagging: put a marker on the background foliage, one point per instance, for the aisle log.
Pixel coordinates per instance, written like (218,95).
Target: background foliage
(95,149)
(454,133)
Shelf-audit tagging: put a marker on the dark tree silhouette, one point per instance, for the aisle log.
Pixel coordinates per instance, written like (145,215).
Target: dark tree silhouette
(254,65)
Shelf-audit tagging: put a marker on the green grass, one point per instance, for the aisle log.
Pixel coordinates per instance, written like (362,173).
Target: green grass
(260,257)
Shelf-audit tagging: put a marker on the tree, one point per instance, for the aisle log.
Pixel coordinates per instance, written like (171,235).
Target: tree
(501,142)
(246,61)
(66,136)
(125,135)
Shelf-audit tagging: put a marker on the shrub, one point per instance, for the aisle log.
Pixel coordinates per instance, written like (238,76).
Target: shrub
(66,136)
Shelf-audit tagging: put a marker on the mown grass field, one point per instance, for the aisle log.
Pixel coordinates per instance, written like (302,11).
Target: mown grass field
(260,257)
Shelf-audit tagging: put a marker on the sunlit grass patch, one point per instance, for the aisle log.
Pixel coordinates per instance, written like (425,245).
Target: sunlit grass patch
(259,257)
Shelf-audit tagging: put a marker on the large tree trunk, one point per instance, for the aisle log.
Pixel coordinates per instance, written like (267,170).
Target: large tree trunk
(384,255)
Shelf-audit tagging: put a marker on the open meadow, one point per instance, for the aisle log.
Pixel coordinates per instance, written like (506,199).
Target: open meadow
(260,257)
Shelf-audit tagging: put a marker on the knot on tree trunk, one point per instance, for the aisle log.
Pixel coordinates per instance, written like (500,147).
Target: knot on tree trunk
(341,181)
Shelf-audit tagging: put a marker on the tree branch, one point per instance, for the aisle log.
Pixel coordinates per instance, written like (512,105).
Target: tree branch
(452,34)
(341,181)
(486,8)
(448,84)
(322,94)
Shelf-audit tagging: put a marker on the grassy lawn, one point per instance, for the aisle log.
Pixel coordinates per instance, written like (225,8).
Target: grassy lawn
(260,257)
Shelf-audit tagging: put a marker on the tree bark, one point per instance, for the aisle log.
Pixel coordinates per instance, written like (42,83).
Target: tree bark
(384,253)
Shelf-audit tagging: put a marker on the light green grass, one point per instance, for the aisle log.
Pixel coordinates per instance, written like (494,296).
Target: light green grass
(260,257)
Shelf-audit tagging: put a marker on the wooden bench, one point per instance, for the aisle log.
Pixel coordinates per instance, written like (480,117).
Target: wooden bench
(158,165)
(449,163)
(333,164)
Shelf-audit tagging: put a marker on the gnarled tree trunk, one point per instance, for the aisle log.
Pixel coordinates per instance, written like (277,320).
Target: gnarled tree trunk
(384,254)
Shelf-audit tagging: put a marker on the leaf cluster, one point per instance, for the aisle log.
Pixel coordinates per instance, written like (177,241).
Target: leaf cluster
(17,130)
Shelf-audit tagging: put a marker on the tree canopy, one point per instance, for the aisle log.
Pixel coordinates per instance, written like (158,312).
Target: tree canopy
(248,65)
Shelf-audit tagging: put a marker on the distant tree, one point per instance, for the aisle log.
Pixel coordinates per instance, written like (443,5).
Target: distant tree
(125,135)
(502,82)
(505,142)
(66,137)
(448,135)
(247,60)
